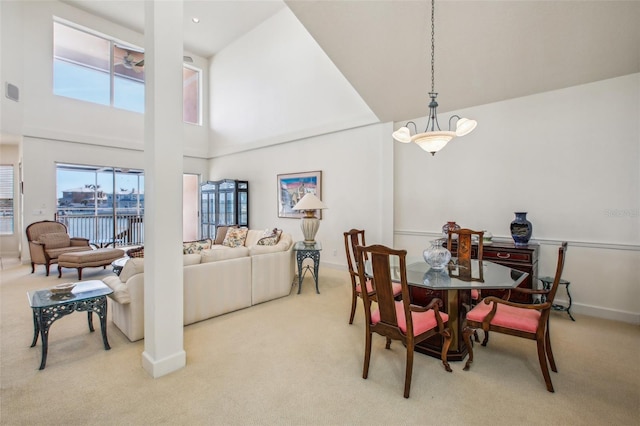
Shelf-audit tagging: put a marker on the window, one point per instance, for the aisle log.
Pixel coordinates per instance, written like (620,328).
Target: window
(102,204)
(98,69)
(191,95)
(6,199)
(82,69)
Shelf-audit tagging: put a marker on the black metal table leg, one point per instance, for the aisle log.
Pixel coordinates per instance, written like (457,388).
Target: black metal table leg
(90,320)
(102,314)
(36,328)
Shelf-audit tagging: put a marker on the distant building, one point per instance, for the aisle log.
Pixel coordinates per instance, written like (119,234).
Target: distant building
(86,196)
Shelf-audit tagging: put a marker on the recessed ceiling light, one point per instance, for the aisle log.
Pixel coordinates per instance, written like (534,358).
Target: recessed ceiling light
(195,20)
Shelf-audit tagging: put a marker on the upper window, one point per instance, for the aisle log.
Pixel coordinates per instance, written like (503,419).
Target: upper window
(191,95)
(6,199)
(95,68)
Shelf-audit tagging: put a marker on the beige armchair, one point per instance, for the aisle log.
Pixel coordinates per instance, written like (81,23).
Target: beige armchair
(48,240)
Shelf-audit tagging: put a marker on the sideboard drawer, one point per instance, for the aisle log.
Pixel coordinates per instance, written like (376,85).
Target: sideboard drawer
(510,256)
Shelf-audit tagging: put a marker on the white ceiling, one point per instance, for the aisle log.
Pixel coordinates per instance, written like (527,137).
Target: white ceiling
(221,22)
(486,51)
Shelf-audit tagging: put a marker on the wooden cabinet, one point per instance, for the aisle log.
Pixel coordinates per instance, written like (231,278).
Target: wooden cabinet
(521,258)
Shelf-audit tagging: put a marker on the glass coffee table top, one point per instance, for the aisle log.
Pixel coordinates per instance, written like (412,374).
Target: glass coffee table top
(82,290)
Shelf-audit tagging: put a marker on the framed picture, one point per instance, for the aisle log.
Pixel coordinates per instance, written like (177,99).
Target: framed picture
(292,187)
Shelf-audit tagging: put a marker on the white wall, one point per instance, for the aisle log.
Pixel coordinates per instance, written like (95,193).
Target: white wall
(10,67)
(357,185)
(568,157)
(275,84)
(30,54)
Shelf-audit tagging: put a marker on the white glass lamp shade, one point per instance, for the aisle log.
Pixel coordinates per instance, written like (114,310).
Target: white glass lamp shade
(433,141)
(402,135)
(309,223)
(464,126)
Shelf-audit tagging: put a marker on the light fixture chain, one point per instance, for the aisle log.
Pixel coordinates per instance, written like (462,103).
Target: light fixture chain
(433,73)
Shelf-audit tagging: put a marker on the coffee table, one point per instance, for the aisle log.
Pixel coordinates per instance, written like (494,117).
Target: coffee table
(89,296)
(118,264)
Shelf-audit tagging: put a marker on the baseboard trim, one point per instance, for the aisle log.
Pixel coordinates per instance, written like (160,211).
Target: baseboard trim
(605,313)
(159,368)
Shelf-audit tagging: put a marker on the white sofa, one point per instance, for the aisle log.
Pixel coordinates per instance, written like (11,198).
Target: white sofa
(216,281)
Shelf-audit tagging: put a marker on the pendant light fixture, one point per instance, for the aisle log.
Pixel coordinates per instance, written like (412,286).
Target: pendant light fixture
(433,139)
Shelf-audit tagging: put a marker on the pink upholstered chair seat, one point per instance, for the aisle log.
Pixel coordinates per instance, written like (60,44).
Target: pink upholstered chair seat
(422,321)
(475,294)
(397,287)
(507,316)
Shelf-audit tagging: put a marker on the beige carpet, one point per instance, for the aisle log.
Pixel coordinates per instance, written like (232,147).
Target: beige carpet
(296,361)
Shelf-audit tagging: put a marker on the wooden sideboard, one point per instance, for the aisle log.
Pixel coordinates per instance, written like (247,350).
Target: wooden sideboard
(521,258)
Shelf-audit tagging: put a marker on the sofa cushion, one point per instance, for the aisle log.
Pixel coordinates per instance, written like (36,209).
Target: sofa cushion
(235,237)
(270,237)
(189,247)
(253,236)
(120,291)
(55,240)
(133,267)
(191,259)
(217,253)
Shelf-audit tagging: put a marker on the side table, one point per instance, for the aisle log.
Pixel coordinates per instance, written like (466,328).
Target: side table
(307,251)
(88,296)
(546,284)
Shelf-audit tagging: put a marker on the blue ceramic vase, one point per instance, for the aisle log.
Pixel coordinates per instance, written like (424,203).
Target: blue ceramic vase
(521,229)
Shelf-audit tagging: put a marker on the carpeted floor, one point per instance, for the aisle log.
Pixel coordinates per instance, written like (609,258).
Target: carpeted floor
(297,361)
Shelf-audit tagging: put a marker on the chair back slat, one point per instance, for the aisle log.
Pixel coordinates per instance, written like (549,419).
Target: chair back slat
(382,278)
(352,239)
(465,243)
(382,283)
(559,268)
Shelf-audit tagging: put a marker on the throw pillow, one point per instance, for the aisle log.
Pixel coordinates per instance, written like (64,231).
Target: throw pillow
(221,232)
(270,237)
(190,247)
(136,252)
(235,237)
(55,240)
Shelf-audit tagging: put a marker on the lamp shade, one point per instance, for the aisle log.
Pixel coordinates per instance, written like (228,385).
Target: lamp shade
(309,202)
(464,126)
(433,141)
(402,135)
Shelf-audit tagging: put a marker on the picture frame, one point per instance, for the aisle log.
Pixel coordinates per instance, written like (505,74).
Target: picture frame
(292,187)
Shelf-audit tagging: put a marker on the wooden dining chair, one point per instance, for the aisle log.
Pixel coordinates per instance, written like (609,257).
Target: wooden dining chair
(398,320)
(352,239)
(530,321)
(464,253)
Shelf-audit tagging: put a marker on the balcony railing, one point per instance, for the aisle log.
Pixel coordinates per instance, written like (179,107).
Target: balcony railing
(103,230)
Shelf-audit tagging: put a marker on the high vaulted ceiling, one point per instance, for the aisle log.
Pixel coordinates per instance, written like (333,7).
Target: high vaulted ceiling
(485,51)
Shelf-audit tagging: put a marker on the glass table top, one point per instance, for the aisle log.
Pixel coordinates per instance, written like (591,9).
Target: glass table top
(301,245)
(458,275)
(465,275)
(82,291)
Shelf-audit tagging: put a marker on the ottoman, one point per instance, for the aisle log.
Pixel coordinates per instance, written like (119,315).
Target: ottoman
(88,259)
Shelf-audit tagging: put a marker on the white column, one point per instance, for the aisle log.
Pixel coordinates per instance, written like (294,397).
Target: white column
(163,287)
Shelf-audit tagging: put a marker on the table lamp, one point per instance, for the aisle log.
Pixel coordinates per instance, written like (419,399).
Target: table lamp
(310,223)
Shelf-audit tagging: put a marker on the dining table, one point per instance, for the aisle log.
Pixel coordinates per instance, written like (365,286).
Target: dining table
(453,286)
